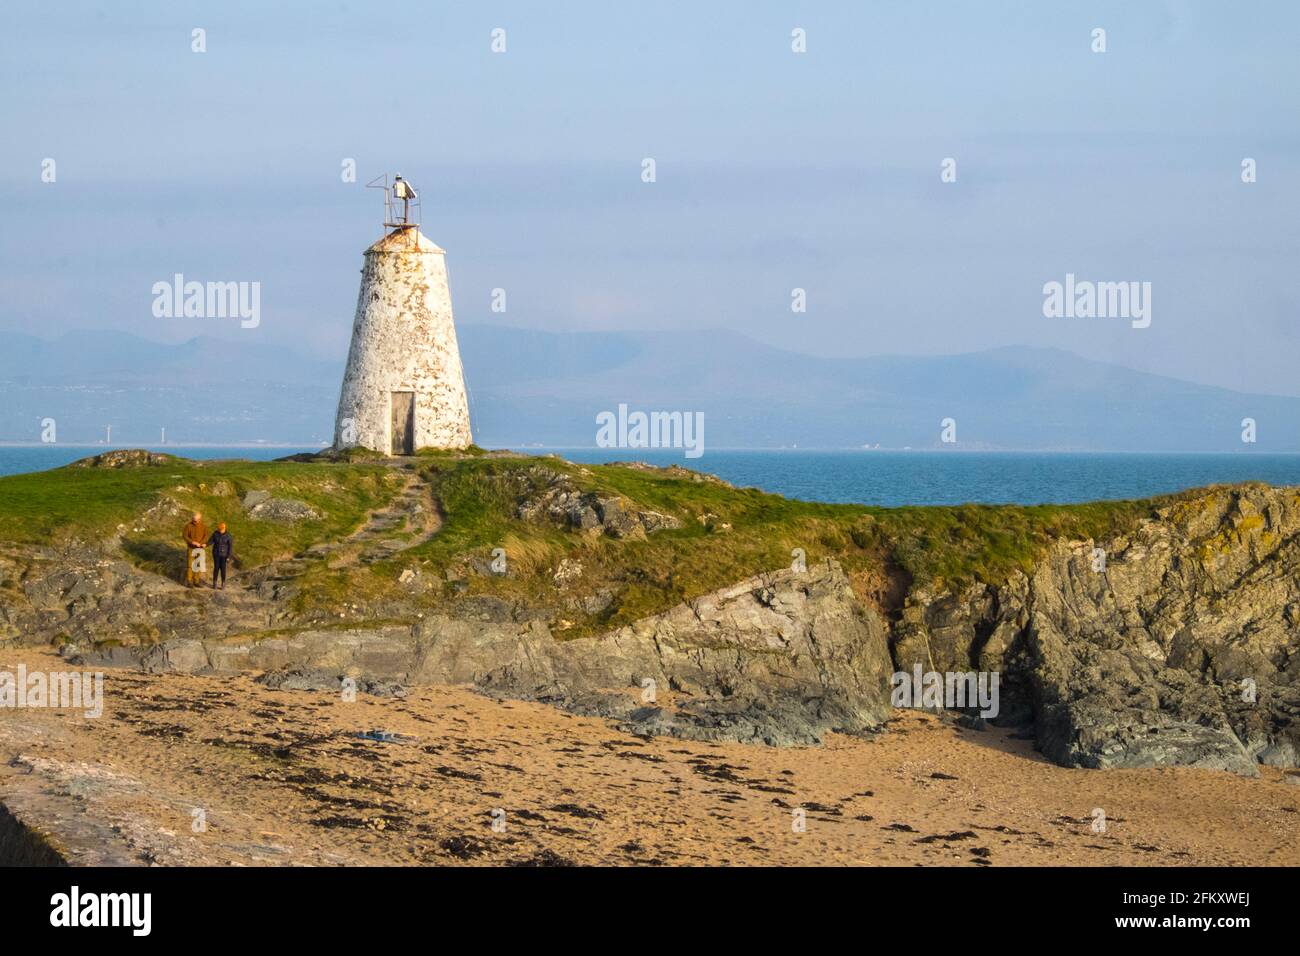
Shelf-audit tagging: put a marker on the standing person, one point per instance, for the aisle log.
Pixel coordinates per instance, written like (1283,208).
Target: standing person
(223,546)
(196,536)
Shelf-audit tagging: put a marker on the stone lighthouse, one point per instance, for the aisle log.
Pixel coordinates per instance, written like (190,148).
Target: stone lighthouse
(403,388)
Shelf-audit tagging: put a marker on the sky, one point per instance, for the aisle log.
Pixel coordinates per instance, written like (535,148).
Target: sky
(775,170)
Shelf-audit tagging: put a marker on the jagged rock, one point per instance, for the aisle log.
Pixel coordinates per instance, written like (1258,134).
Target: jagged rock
(123,458)
(297,678)
(166,508)
(302,678)
(381,688)
(617,521)
(1143,663)
(562,502)
(653,521)
(594,603)
(783,668)
(1183,650)
(187,656)
(568,572)
(254,498)
(278,509)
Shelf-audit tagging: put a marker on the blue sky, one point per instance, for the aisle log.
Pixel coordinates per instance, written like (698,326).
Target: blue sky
(775,170)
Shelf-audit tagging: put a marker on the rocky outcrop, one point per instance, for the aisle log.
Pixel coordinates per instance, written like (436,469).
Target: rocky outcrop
(81,593)
(1174,645)
(559,500)
(261,504)
(780,658)
(124,458)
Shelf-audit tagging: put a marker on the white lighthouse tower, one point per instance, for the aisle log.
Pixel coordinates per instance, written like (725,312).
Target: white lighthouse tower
(403,388)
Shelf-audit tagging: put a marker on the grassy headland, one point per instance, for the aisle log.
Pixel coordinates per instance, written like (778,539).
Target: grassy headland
(595,579)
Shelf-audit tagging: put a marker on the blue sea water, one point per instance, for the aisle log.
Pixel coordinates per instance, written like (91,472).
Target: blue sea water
(866,477)
(892,478)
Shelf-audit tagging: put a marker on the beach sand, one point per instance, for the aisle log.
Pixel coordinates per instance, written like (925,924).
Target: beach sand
(281,778)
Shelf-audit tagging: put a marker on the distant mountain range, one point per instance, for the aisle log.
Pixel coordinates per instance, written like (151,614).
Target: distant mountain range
(543,388)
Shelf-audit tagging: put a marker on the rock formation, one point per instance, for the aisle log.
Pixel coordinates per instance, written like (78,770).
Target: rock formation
(1176,642)
(780,659)
(1182,650)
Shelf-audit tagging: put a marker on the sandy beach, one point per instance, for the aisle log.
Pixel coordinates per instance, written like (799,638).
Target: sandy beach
(186,770)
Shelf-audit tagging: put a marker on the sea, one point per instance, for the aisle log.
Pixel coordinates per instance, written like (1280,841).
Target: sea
(885,478)
(894,478)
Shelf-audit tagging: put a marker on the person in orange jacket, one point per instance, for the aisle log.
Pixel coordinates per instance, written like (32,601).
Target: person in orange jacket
(196,538)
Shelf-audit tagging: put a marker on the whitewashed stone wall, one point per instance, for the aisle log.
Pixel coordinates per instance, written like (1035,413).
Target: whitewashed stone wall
(403,339)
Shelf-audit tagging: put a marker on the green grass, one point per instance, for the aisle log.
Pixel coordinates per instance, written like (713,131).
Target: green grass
(986,544)
(149,505)
(726,533)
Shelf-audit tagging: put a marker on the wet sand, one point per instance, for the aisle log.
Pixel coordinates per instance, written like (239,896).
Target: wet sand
(281,778)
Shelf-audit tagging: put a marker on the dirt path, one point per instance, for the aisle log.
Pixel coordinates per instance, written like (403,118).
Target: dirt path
(411,517)
(282,778)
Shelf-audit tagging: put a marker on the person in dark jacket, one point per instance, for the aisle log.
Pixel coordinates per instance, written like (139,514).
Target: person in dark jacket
(223,546)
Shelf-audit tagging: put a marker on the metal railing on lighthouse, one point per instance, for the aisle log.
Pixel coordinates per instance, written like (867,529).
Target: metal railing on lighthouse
(401,202)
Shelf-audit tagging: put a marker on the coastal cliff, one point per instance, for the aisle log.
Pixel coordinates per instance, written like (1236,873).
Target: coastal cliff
(1174,643)
(1125,634)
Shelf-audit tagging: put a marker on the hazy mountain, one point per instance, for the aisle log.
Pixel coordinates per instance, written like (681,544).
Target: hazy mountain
(203,390)
(530,387)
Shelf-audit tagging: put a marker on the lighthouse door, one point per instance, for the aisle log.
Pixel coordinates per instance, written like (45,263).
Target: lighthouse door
(403,404)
